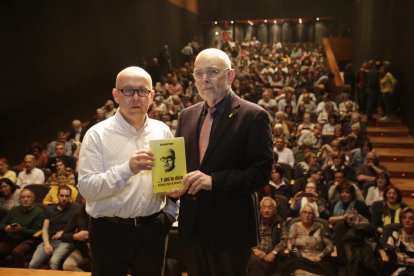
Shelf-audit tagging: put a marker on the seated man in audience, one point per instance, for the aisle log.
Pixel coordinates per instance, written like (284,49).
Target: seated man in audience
(53,248)
(268,102)
(109,108)
(285,154)
(313,138)
(77,231)
(60,155)
(264,258)
(367,172)
(78,131)
(333,192)
(30,174)
(5,172)
(18,228)
(61,138)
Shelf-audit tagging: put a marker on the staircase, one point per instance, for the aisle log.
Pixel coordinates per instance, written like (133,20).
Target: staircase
(395,148)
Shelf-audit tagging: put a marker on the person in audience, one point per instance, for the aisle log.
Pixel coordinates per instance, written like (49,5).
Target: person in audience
(367,172)
(334,188)
(109,109)
(389,211)
(52,196)
(387,89)
(307,124)
(347,212)
(52,248)
(277,184)
(37,151)
(5,172)
(78,131)
(314,175)
(376,192)
(268,102)
(285,155)
(9,197)
(313,138)
(224,181)
(302,168)
(265,257)
(280,118)
(61,139)
(61,169)
(358,155)
(60,156)
(322,106)
(311,197)
(309,246)
(30,174)
(115,180)
(338,164)
(98,117)
(19,227)
(77,232)
(401,244)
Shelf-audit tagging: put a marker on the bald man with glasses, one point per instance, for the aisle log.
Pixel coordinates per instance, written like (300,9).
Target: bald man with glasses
(129,223)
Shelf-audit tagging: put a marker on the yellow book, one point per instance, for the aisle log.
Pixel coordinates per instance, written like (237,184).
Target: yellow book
(170,164)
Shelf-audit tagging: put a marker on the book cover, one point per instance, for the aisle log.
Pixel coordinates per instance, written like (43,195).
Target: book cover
(170,164)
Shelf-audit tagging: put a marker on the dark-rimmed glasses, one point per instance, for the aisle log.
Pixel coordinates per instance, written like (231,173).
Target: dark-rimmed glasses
(129,92)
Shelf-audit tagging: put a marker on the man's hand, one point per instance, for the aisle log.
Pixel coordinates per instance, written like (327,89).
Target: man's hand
(269,258)
(196,181)
(48,249)
(13,228)
(176,193)
(259,253)
(82,235)
(57,235)
(141,160)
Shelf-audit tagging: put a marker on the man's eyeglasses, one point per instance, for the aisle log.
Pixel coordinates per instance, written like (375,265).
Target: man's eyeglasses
(167,158)
(210,73)
(129,92)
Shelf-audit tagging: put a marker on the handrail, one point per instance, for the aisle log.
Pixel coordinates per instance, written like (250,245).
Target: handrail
(333,65)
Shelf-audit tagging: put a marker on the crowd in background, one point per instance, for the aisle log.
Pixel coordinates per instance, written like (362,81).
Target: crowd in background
(325,169)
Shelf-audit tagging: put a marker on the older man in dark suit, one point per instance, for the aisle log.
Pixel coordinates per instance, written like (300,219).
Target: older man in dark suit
(229,157)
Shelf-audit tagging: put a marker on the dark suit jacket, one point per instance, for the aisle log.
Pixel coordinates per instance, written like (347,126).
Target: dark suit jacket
(239,159)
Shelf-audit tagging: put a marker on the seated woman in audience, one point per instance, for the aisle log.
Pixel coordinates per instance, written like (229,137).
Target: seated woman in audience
(280,118)
(302,168)
(389,210)
(9,197)
(347,212)
(309,197)
(52,196)
(328,129)
(401,243)
(334,193)
(338,164)
(309,245)
(277,184)
(61,169)
(376,192)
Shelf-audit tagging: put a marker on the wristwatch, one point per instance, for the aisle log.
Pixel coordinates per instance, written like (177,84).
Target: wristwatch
(274,252)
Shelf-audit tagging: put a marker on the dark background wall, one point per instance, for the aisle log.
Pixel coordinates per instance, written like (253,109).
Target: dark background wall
(59,59)
(382,30)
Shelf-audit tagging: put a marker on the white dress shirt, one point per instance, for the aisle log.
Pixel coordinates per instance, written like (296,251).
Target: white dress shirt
(285,156)
(105,179)
(35,176)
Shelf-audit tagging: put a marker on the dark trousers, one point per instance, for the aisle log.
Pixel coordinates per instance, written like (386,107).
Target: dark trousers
(204,260)
(18,250)
(119,248)
(387,101)
(258,267)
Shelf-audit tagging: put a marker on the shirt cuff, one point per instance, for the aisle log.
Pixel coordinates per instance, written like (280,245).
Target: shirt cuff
(172,208)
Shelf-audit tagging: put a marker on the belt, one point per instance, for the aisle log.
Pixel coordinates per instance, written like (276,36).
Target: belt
(131,221)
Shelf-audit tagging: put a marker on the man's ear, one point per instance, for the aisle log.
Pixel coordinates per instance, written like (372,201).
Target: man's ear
(151,96)
(231,74)
(115,95)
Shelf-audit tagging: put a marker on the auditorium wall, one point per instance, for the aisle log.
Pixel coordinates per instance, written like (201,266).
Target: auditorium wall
(382,30)
(60,57)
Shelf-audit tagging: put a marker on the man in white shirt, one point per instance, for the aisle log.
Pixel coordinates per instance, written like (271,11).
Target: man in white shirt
(30,174)
(285,155)
(129,223)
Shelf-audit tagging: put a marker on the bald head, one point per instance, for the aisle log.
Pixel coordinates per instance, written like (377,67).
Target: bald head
(133,71)
(217,54)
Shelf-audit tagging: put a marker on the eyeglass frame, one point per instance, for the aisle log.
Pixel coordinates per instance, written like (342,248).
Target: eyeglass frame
(167,158)
(209,73)
(138,91)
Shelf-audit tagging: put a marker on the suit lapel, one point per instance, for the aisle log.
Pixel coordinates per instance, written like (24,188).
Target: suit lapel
(229,114)
(193,133)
